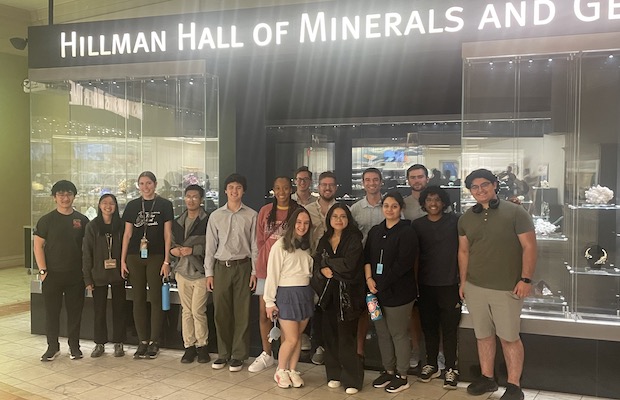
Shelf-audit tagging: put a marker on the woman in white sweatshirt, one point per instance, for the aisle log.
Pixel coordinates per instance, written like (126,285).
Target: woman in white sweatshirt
(288,295)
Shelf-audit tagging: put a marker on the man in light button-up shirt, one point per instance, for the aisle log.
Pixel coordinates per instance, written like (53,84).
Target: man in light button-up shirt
(230,256)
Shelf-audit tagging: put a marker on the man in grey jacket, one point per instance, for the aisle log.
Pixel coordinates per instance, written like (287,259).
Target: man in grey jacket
(188,246)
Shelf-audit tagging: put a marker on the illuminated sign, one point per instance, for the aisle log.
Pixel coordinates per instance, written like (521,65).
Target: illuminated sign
(293,27)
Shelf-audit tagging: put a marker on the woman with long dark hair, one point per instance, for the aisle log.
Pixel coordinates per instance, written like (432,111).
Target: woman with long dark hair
(101,254)
(288,295)
(390,253)
(146,258)
(339,281)
(270,225)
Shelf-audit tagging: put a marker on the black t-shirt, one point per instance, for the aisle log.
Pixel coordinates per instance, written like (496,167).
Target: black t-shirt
(156,215)
(439,244)
(63,236)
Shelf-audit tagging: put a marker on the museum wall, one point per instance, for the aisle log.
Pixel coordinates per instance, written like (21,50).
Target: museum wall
(14,159)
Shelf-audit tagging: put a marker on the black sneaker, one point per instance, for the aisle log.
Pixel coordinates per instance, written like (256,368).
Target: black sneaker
(141,351)
(235,365)
(50,354)
(397,384)
(219,363)
(190,355)
(152,350)
(75,353)
(119,351)
(482,385)
(513,392)
(203,355)
(383,380)
(451,380)
(429,372)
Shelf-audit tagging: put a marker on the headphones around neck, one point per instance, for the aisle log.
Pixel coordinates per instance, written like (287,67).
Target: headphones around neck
(303,244)
(493,204)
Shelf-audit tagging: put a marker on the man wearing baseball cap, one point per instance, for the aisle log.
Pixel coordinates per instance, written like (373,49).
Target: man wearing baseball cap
(497,258)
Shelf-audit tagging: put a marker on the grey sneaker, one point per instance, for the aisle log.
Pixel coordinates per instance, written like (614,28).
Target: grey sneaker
(318,357)
(119,351)
(98,351)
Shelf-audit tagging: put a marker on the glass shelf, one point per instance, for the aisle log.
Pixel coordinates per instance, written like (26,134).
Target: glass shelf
(587,206)
(611,271)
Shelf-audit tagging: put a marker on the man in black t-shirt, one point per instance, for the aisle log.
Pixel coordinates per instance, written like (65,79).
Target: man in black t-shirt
(58,252)
(438,278)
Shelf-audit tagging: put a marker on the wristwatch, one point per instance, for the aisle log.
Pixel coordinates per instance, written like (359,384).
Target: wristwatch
(526,280)
(42,271)
(166,262)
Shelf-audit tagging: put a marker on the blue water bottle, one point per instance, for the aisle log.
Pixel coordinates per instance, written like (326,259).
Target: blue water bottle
(372,302)
(165,294)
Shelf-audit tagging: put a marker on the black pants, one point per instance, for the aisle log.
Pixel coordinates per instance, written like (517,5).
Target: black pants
(100,301)
(440,314)
(143,272)
(316,328)
(57,285)
(340,341)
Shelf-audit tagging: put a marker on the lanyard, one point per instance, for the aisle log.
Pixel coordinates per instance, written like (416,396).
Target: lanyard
(108,239)
(144,213)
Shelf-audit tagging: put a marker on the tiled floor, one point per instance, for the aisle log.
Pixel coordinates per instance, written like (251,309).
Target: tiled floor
(23,376)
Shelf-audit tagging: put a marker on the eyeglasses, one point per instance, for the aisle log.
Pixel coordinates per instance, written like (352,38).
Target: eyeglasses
(475,188)
(192,197)
(303,179)
(65,194)
(327,185)
(339,217)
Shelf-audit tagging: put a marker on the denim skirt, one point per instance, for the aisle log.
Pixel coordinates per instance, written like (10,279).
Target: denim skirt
(296,303)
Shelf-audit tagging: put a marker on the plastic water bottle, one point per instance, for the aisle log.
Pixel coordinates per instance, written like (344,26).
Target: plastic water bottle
(372,302)
(165,295)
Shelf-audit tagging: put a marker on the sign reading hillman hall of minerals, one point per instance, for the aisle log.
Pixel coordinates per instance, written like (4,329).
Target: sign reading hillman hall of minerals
(405,25)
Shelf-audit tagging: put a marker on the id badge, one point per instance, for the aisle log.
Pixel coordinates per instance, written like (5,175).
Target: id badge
(144,248)
(379,268)
(110,263)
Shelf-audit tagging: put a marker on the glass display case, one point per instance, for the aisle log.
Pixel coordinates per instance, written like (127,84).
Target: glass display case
(102,134)
(548,127)
(351,147)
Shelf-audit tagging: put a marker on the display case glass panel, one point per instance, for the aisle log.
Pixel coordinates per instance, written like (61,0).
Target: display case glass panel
(592,187)
(515,124)
(102,134)
(548,127)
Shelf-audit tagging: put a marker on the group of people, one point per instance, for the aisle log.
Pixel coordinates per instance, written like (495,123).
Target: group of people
(308,259)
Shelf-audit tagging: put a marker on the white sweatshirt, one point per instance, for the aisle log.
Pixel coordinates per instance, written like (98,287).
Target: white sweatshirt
(286,269)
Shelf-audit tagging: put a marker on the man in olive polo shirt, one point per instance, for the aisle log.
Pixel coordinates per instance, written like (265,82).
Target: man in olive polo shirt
(497,258)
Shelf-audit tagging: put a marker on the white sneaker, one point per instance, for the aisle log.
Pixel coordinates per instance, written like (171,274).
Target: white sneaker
(263,361)
(351,390)
(282,379)
(305,342)
(295,377)
(333,384)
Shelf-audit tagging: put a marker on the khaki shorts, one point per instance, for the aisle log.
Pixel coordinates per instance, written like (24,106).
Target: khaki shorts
(494,312)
